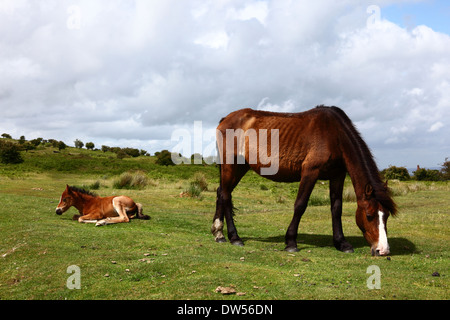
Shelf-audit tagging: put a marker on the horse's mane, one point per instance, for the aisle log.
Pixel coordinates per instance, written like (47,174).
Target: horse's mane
(382,194)
(83,191)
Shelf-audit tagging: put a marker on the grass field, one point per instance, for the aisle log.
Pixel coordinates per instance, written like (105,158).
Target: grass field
(174,256)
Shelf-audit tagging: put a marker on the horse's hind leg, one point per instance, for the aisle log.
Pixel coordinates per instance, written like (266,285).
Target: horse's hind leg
(217,226)
(120,209)
(231,174)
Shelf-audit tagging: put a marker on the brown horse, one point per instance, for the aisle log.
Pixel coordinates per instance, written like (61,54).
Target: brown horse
(321,144)
(101,211)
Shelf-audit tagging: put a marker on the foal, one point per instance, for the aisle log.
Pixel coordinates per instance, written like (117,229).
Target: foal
(98,210)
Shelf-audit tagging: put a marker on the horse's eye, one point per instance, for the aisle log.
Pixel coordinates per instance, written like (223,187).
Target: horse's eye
(369,217)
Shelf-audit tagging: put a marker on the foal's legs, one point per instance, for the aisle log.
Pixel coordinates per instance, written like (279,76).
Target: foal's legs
(120,207)
(230,175)
(89,218)
(336,188)
(309,178)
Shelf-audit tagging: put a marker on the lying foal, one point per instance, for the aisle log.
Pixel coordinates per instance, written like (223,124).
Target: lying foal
(98,210)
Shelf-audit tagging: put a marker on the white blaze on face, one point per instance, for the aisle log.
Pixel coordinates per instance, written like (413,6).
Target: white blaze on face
(383,246)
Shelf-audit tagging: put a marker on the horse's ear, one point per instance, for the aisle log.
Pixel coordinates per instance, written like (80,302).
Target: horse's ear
(68,189)
(368,191)
(385,185)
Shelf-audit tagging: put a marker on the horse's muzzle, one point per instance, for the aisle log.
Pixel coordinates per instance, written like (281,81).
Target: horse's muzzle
(59,211)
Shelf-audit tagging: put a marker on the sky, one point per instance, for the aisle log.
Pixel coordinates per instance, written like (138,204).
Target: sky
(137,73)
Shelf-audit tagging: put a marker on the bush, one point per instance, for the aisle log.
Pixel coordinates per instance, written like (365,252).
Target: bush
(78,144)
(193,190)
(427,175)
(164,158)
(9,153)
(200,181)
(131,180)
(90,145)
(398,173)
(196,186)
(445,170)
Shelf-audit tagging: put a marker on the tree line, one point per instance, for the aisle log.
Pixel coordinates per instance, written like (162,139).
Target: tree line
(10,153)
(421,174)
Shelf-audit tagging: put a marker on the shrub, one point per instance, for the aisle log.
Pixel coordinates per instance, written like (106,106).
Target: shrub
(61,145)
(9,153)
(131,180)
(90,145)
(132,152)
(196,186)
(78,144)
(193,190)
(95,185)
(427,175)
(398,173)
(121,154)
(164,158)
(445,170)
(200,181)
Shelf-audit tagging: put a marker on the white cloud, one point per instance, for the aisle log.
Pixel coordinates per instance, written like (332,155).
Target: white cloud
(435,127)
(135,70)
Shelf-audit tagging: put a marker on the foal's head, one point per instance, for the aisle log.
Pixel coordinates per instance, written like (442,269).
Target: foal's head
(67,200)
(371,217)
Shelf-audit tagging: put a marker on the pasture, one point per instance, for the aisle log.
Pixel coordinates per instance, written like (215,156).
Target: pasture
(174,256)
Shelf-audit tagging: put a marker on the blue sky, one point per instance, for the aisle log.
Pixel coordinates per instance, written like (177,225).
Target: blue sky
(432,13)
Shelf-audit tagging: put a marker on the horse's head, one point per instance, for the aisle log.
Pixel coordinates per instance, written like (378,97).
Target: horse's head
(67,200)
(371,218)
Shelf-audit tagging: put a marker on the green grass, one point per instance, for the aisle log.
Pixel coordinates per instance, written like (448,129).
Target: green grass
(181,259)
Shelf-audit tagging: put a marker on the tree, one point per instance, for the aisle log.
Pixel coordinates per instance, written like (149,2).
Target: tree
(78,144)
(36,141)
(426,175)
(6,136)
(61,145)
(28,146)
(121,154)
(164,158)
(106,148)
(132,152)
(9,153)
(90,145)
(22,140)
(445,169)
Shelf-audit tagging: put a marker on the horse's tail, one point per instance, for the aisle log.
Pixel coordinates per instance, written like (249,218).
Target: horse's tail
(139,213)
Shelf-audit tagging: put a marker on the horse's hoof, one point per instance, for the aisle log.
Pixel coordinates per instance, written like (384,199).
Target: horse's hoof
(237,243)
(100,223)
(348,250)
(291,249)
(221,240)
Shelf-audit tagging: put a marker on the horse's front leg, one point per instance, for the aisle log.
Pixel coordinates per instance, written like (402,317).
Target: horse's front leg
(88,218)
(306,187)
(336,188)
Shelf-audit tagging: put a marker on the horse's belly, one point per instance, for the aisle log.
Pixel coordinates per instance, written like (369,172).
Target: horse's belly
(286,172)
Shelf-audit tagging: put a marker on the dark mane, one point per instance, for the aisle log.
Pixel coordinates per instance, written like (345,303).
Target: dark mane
(83,191)
(382,195)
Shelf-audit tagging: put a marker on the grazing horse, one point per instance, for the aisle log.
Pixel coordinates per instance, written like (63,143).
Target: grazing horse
(101,211)
(321,143)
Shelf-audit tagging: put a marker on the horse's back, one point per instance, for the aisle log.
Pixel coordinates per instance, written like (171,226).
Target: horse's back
(313,134)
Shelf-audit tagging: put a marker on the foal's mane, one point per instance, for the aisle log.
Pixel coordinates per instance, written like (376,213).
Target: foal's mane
(83,191)
(381,193)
